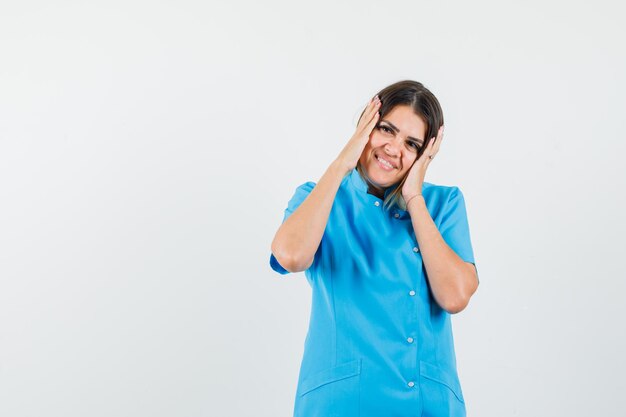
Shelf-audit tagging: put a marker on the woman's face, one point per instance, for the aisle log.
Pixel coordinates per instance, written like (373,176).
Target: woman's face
(396,139)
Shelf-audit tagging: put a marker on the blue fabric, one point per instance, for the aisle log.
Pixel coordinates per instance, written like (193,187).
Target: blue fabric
(378,344)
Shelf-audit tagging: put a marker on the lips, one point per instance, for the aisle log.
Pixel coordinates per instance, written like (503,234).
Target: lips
(390,163)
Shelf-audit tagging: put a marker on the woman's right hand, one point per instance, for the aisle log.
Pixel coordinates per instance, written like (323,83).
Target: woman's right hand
(352,151)
(299,237)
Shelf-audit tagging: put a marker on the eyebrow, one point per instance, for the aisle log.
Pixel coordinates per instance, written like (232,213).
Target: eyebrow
(398,130)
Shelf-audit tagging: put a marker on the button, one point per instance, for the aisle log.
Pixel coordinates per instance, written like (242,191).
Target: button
(376,203)
(411,383)
(409,339)
(411,293)
(396,215)
(416,249)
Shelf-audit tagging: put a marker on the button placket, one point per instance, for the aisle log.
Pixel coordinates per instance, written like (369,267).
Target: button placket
(410,340)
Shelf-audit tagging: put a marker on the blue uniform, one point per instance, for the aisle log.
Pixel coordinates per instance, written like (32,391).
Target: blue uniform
(378,344)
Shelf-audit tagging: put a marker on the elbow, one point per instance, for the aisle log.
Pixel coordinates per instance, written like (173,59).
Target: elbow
(455,305)
(288,259)
(457,302)
(286,262)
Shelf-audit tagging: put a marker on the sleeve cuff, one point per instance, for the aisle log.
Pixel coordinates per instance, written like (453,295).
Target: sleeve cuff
(276,266)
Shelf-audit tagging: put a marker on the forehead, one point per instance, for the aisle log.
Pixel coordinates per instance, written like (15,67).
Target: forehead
(404,118)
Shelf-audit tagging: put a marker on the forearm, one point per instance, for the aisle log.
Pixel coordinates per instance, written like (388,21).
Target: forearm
(451,281)
(299,236)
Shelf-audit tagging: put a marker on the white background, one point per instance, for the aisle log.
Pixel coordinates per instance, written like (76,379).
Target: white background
(148,150)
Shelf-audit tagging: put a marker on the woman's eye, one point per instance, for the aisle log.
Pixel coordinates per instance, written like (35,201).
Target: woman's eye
(415,145)
(385,129)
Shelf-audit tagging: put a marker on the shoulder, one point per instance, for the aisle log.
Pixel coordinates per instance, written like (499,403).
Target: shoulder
(301,192)
(441,193)
(306,186)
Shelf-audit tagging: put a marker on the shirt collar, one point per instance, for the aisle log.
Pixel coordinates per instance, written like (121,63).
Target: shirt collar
(359,183)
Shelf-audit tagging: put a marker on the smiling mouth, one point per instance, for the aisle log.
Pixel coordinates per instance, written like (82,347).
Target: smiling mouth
(384,164)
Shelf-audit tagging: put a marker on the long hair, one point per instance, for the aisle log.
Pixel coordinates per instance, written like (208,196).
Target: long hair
(425,105)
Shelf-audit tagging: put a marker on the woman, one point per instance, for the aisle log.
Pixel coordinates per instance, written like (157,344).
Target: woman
(389,259)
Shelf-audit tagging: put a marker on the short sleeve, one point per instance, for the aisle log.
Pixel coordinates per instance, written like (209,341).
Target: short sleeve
(301,193)
(455,227)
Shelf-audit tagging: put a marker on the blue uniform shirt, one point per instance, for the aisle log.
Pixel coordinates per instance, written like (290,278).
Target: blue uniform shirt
(378,344)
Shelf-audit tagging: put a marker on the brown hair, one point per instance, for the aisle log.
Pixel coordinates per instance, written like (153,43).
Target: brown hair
(425,105)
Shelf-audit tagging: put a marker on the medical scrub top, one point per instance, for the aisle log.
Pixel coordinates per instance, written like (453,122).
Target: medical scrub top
(378,344)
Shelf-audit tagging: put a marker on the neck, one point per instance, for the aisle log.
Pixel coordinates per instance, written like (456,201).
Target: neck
(371,188)
(378,192)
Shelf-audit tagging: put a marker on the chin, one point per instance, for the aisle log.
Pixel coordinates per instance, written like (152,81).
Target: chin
(380,177)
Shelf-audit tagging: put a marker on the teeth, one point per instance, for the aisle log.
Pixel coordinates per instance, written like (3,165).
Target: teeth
(384,162)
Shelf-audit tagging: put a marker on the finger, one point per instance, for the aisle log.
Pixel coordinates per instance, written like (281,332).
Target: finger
(437,145)
(439,140)
(430,148)
(370,112)
(427,151)
(433,149)
(370,126)
(374,105)
(364,118)
(364,114)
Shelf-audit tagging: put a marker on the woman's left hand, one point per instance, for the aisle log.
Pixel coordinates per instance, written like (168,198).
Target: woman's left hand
(413,184)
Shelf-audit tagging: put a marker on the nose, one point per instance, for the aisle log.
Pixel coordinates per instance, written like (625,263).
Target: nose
(392,147)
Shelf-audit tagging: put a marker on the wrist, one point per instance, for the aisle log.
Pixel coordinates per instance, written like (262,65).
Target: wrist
(413,198)
(339,166)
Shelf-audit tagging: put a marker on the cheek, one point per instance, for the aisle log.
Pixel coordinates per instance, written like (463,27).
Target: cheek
(367,150)
(372,143)
(409,160)
(375,141)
